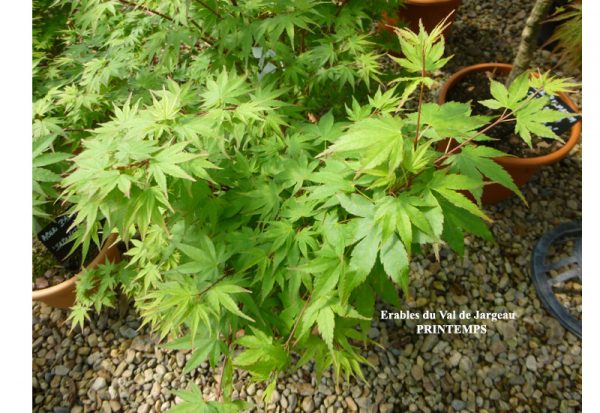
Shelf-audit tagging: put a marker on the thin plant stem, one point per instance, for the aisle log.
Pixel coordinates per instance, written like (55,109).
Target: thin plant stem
(211,285)
(219,389)
(501,119)
(289,339)
(207,7)
(204,37)
(146,9)
(421,93)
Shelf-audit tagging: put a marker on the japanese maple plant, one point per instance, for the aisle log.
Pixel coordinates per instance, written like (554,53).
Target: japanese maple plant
(265,214)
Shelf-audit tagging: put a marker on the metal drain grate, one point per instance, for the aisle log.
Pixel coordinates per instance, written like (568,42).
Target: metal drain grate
(556,271)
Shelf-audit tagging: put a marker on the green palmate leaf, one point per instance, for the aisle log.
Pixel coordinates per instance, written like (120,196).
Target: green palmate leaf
(50,158)
(330,180)
(552,85)
(447,186)
(79,314)
(451,119)
(423,51)
(461,201)
(415,209)
(404,226)
(203,348)
(364,253)
(395,261)
(385,102)
(356,205)
(500,93)
(458,220)
(374,141)
(491,103)
(517,91)
(261,355)
(219,296)
(45,175)
(41,144)
(511,98)
(532,119)
(477,163)
(226,88)
(326,323)
(326,282)
(193,402)
(269,391)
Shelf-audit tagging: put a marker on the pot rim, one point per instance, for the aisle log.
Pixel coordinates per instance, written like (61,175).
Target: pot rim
(39,295)
(547,159)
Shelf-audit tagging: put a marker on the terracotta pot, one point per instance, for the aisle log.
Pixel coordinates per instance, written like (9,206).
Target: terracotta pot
(63,295)
(431,12)
(521,169)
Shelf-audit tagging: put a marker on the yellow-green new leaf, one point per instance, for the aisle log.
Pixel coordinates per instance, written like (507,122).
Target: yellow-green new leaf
(326,324)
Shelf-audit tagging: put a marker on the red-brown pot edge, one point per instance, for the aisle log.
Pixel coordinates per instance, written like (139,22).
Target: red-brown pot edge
(536,161)
(63,295)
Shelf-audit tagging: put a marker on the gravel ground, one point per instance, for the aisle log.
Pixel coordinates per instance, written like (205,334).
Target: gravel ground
(530,364)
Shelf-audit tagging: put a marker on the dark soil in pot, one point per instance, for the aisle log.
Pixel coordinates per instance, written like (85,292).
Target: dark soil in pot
(47,271)
(475,87)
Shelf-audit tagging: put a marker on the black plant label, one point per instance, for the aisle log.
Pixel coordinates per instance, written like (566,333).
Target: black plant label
(556,103)
(56,236)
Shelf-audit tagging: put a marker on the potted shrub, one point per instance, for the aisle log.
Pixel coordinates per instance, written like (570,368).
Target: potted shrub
(470,83)
(62,294)
(60,120)
(263,221)
(54,270)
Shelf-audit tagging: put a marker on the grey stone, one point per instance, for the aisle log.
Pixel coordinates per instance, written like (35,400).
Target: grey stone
(417,372)
(351,404)
(363,402)
(180,359)
(386,408)
(531,363)
(155,392)
(144,408)
(127,332)
(507,329)
(465,364)
(120,369)
(99,384)
(497,348)
(373,332)
(428,343)
(293,401)
(305,389)
(115,405)
(454,359)
(458,405)
(308,405)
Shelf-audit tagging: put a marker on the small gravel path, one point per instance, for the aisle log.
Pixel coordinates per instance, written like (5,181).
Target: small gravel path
(530,364)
